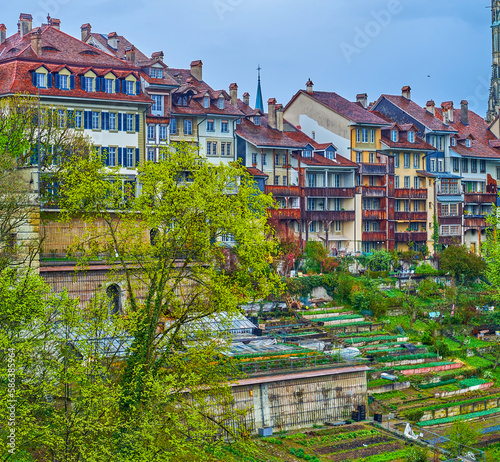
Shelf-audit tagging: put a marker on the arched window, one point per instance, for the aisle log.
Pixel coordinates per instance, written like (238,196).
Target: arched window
(114,295)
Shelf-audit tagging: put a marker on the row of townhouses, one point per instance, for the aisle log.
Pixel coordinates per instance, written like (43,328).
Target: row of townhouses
(353,175)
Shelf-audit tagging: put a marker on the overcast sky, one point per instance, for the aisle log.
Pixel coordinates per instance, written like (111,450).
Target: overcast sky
(442,48)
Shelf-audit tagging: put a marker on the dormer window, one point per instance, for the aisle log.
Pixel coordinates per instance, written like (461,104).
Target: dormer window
(330,154)
(88,83)
(453,142)
(467,143)
(411,137)
(307,153)
(41,80)
(206,102)
(221,103)
(182,100)
(156,73)
(256,120)
(394,136)
(152,73)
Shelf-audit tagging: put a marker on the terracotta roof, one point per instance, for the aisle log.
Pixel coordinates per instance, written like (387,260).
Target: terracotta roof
(416,112)
(342,106)
(477,131)
(247,110)
(263,136)
(403,143)
(256,172)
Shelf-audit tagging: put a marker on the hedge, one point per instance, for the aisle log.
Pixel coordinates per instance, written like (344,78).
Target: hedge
(472,415)
(472,382)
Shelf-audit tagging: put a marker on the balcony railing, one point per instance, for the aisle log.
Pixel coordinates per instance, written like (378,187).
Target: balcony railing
(372,169)
(411,236)
(285,214)
(374,191)
(410,193)
(374,214)
(450,240)
(329,192)
(480,198)
(283,191)
(410,216)
(329,215)
(374,236)
(450,220)
(475,221)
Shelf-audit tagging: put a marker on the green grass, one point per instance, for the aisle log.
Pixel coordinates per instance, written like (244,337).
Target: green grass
(476,361)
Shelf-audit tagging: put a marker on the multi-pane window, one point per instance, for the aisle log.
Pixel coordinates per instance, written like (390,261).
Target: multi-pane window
(277,160)
(311,179)
(456,165)
(173,126)
(206,102)
(284,160)
(63,82)
(364,134)
(163,132)
(224,126)
(359,157)
(109,85)
(276,180)
(307,153)
(221,103)
(95,121)
(285,180)
(129,87)
(62,118)
(394,135)
(130,158)
(89,84)
(372,136)
(465,165)
(151,155)
(411,137)
(112,121)
(396,181)
(396,160)
(337,204)
(441,165)
(211,148)
(407,160)
(330,155)
(433,165)
(416,206)
(416,160)
(254,158)
(336,181)
(416,182)
(41,80)
(338,226)
(112,157)
(225,149)
(210,125)
(188,127)
(371,158)
(482,166)
(452,230)
(157,107)
(406,182)
(358,135)
(473,165)
(406,205)
(264,159)
(449,186)
(151,132)
(130,122)
(78,119)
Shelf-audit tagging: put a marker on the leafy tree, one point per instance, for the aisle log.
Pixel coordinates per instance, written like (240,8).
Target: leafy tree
(463,264)
(425,268)
(435,235)
(164,396)
(379,261)
(290,248)
(461,434)
(315,255)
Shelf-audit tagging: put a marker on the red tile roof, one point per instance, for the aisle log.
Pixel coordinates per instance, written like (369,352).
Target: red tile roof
(352,111)
(417,112)
(263,136)
(256,172)
(481,138)
(403,143)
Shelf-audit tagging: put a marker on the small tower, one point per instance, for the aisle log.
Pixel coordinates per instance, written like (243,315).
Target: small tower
(259,103)
(494,101)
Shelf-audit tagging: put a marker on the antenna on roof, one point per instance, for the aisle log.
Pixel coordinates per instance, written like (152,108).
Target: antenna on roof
(259,103)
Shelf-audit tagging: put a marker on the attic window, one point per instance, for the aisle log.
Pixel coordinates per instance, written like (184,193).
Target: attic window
(221,103)
(48,48)
(156,73)
(411,137)
(256,120)
(330,154)
(467,143)
(453,142)
(307,153)
(13,50)
(206,102)
(394,136)
(182,100)
(89,53)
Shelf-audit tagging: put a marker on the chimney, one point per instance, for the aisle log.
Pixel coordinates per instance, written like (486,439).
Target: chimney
(25,24)
(406,92)
(36,42)
(86,30)
(197,70)
(158,55)
(246,98)
(53,22)
(447,110)
(464,112)
(309,87)
(271,112)
(3,34)
(279,117)
(130,54)
(233,91)
(113,40)
(430,106)
(362,99)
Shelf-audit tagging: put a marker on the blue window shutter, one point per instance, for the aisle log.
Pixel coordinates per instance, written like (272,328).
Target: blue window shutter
(119,121)
(71,82)
(57,83)
(87,123)
(35,77)
(83,82)
(137,123)
(137,157)
(107,120)
(49,80)
(137,88)
(120,155)
(97,84)
(124,87)
(117,86)
(103,121)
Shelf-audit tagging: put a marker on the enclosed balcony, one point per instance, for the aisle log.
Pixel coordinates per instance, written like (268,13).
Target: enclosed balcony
(410,216)
(282,191)
(374,191)
(480,198)
(285,214)
(411,236)
(410,193)
(374,236)
(372,169)
(373,215)
(330,215)
(329,192)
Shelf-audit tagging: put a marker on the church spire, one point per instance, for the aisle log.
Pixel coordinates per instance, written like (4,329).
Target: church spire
(494,101)
(259,103)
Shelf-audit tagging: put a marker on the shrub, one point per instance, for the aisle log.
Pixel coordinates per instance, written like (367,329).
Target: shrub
(426,269)
(414,415)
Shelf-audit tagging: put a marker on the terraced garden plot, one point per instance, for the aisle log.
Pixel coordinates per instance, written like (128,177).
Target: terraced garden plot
(363,453)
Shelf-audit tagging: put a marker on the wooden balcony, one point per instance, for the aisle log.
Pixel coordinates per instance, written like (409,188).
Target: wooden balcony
(411,236)
(475,221)
(371,215)
(455,220)
(329,215)
(372,169)
(410,216)
(282,191)
(376,236)
(450,240)
(285,214)
(410,193)
(374,191)
(477,198)
(329,192)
